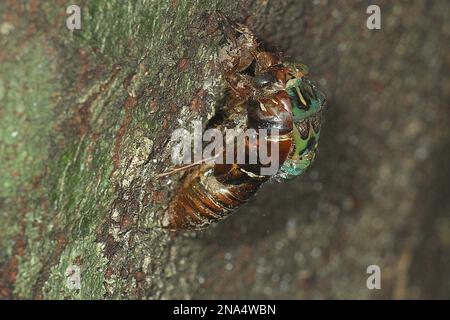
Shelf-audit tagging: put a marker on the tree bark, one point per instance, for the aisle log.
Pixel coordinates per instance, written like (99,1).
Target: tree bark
(85,123)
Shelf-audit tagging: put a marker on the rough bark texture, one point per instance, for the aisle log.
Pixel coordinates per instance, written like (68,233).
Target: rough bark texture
(85,121)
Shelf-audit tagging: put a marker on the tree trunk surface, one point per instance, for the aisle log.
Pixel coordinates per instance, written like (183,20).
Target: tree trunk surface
(85,124)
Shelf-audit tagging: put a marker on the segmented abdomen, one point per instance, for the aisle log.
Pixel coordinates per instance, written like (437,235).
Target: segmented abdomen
(203,199)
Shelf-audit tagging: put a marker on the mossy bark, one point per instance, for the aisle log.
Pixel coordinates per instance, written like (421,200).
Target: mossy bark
(85,121)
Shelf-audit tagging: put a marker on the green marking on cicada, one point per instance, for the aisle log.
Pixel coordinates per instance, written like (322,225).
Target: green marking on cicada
(307,103)
(306,99)
(303,153)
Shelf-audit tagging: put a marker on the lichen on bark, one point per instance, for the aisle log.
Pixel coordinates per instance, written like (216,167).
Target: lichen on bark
(86,117)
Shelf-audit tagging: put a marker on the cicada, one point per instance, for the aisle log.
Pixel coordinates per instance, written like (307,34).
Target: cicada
(264,93)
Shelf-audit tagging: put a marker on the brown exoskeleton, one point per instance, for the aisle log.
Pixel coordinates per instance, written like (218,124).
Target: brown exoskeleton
(262,91)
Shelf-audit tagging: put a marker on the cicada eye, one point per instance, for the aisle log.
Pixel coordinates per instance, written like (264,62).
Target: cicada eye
(302,68)
(296,70)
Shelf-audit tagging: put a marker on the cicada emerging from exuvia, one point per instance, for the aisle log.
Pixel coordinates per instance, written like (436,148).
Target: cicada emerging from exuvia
(264,92)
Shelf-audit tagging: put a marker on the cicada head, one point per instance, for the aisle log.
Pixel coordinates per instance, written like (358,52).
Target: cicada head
(306,98)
